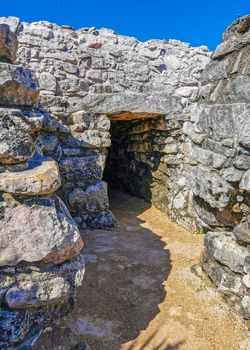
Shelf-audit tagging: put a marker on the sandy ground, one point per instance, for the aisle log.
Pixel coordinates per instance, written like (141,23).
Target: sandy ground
(139,292)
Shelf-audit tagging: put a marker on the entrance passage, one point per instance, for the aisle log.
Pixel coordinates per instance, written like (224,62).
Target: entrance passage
(133,157)
(139,293)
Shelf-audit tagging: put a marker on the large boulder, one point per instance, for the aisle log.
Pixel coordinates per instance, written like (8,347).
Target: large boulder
(39,229)
(8,44)
(18,85)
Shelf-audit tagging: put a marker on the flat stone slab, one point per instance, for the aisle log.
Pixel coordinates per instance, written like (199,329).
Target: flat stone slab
(41,178)
(18,85)
(39,229)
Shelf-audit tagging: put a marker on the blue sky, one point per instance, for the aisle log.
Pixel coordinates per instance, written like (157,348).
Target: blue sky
(199,22)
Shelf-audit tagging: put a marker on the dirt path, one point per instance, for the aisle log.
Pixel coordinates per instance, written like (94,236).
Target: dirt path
(139,293)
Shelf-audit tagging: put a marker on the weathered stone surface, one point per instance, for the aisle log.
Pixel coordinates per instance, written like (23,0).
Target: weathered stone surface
(42,177)
(5,283)
(91,138)
(223,121)
(86,169)
(232,44)
(37,289)
(226,281)
(50,285)
(16,145)
(242,231)
(18,85)
(46,224)
(209,186)
(237,28)
(93,199)
(224,248)
(245,181)
(99,220)
(8,44)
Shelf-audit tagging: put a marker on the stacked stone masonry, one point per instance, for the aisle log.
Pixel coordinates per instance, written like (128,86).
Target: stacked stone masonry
(40,261)
(160,119)
(89,77)
(220,174)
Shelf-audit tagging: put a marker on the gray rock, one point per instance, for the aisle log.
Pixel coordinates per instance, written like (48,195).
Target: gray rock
(101,220)
(46,224)
(16,145)
(93,199)
(242,231)
(42,177)
(226,281)
(37,289)
(18,86)
(8,44)
(89,169)
(245,181)
(232,44)
(222,246)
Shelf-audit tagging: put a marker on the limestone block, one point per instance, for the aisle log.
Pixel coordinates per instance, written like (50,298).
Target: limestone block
(231,174)
(51,285)
(92,138)
(225,249)
(208,185)
(237,90)
(232,44)
(237,28)
(16,145)
(101,220)
(94,198)
(242,162)
(47,232)
(48,82)
(47,143)
(37,289)
(242,231)
(226,281)
(88,169)
(245,181)
(223,121)
(215,70)
(8,44)
(18,85)
(42,177)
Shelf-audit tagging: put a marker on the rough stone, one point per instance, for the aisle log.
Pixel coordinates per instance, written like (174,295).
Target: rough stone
(224,248)
(42,177)
(46,224)
(242,231)
(18,85)
(8,44)
(16,145)
(93,199)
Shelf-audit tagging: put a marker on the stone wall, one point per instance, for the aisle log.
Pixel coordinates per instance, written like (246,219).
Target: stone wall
(220,172)
(89,77)
(40,261)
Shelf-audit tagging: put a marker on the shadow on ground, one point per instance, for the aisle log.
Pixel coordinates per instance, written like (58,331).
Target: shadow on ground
(123,284)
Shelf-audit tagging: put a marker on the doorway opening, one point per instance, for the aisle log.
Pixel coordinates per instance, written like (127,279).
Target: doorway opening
(135,154)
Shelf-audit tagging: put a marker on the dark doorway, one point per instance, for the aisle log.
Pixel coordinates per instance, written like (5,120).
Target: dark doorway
(133,157)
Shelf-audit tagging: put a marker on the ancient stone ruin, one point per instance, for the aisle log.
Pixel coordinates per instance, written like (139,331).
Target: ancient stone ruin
(160,119)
